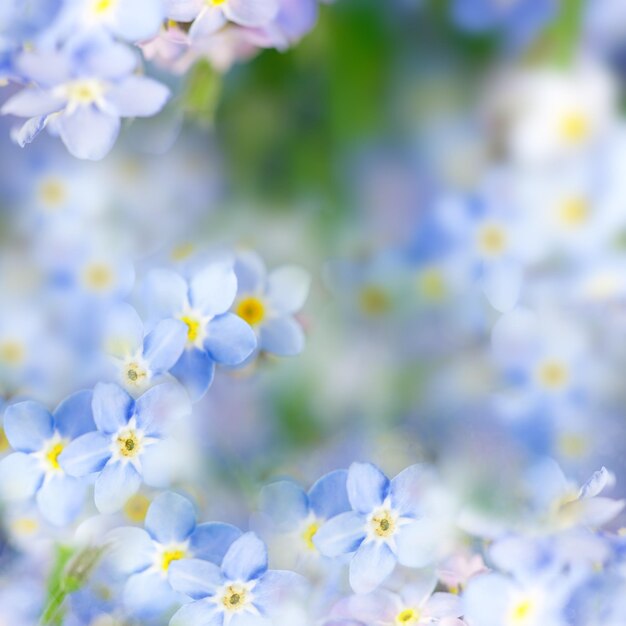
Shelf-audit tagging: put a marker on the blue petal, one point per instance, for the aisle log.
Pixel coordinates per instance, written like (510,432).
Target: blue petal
(161,405)
(28,425)
(282,336)
(251,273)
(20,476)
(195,370)
(274,588)
(165,294)
(148,594)
(287,289)
(60,499)
(370,566)
(341,535)
(212,540)
(123,331)
(408,488)
(138,96)
(86,454)
(246,559)
(112,407)
(88,133)
(286,505)
(230,340)
(195,578)
(170,518)
(164,345)
(129,549)
(201,613)
(367,487)
(213,289)
(328,496)
(73,416)
(158,463)
(117,482)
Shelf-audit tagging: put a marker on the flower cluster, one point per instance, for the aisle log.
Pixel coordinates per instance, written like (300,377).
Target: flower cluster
(81,63)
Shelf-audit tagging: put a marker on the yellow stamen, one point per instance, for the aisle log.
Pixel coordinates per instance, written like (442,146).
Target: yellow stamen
(52,192)
(383,523)
(52,455)
(234,598)
(374,300)
(11,352)
(98,276)
(492,240)
(136,508)
(85,91)
(135,374)
(103,6)
(4,442)
(193,327)
(408,616)
(431,283)
(179,253)
(169,556)
(129,444)
(574,212)
(574,127)
(553,374)
(521,612)
(252,310)
(309,533)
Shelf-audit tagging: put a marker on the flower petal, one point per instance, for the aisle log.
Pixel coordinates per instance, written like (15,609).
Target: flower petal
(251,13)
(340,535)
(246,558)
(148,595)
(200,613)
(230,340)
(288,288)
(117,482)
(112,407)
(212,540)
(213,289)
(367,487)
(73,417)
(138,96)
(129,549)
(286,504)
(160,406)
(28,425)
(194,370)
(328,496)
(195,578)
(61,499)
(370,566)
(164,345)
(88,133)
(86,454)
(20,476)
(170,518)
(165,294)
(282,336)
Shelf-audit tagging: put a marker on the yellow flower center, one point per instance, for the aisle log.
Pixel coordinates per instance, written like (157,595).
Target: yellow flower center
(374,300)
(169,556)
(407,616)
(492,240)
(251,309)
(193,327)
(383,523)
(180,253)
(85,91)
(100,7)
(234,598)
(553,374)
(52,455)
(98,276)
(215,3)
(521,613)
(309,533)
(136,508)
(431,284)
(11,352)
(574,127)
(572,445)
(129,444)
(25,526)
(574,212)
(4,442)
(52,192)
(135,374)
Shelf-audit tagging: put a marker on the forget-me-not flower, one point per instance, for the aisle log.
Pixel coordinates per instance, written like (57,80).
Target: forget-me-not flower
(171,535)
(34,469)
(128,445)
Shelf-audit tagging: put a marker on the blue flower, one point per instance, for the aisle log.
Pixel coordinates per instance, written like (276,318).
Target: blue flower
(207,18)
(382,527)
(300,515)
(213,334)
(128,446)
(268,303)
(240,592)
(39,438)
(520,20)
(171,535)
(139,361)
(81,92)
